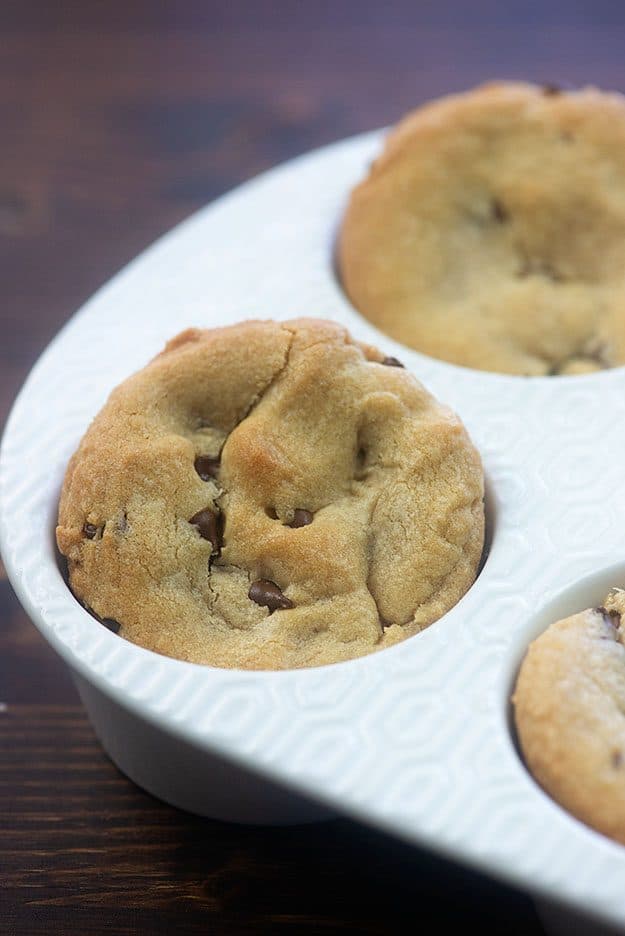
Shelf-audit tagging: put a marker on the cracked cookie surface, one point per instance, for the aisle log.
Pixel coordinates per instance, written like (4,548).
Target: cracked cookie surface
(271,495)
(569,707)
(491,231)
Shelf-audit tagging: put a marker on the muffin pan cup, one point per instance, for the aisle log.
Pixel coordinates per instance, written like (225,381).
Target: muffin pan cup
(415,739)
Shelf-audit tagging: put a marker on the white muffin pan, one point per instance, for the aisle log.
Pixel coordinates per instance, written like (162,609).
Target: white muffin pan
(415,739)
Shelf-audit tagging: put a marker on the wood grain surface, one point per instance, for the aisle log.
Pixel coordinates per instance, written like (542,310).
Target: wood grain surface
(117,120)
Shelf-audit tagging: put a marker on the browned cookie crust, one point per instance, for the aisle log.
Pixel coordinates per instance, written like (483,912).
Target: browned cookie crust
(270,496)
(569,705)
(491,231)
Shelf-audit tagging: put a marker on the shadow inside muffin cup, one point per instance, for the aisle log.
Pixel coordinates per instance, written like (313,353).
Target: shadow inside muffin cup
(490,524)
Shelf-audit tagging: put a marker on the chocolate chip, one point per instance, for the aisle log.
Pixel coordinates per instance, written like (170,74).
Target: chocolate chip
(90,530)
(534,266)
(268,594)
(111,624)
(207,466)
(301,518)
(617,759)
(551,90)
(210,526)
(499,211)
(610,617)
(392,362)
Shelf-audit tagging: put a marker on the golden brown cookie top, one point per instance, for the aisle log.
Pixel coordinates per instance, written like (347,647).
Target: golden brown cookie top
(569,705)
(271,495)
(491,231)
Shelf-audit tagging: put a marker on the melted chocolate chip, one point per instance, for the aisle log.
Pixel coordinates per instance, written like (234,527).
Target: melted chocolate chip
(533,266)
(210,526)
(268,594)
(207,466)
(617,759)
(111,624)
(392,362)
(90,530)
(301,518)
(610,617)
(551,90)
(499,211)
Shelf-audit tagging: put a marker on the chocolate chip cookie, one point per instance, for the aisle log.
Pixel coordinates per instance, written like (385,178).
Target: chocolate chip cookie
(569,706)
(491,231)
(271,495)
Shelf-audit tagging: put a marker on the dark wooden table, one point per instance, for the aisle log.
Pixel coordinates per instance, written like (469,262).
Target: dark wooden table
(117,120)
